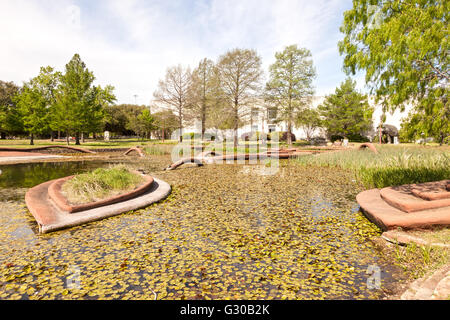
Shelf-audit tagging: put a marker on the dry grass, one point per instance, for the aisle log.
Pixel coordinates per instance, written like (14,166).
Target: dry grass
(100,184)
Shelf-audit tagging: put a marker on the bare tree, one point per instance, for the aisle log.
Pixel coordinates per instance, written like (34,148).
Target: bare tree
(239,73)
(290,86)
(173,91)
(202,93)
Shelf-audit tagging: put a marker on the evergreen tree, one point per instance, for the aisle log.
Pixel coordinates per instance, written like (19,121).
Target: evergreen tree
(79,105)
(346,112)
(36,100)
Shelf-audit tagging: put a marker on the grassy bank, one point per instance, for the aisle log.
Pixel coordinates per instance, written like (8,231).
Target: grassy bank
(393,165)
(89,143)
(100,184)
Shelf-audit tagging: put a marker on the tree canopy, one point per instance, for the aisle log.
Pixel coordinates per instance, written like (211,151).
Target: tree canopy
(240,74)
(36,100)
(403,48)
(203,92)
(346,112)
(10,119)
(79,104)
(290,86)
(174,92)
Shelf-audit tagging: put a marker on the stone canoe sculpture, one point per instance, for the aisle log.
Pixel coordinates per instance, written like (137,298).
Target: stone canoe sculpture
(52,211)
(214,157)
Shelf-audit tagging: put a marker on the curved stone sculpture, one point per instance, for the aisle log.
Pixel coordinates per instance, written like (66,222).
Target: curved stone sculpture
(135,149)
(51,217)
(48,147)
(369,146)
(202,157)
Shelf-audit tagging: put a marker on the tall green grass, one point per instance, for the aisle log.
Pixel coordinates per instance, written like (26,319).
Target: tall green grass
(100,183)
(158,149)
(393,165)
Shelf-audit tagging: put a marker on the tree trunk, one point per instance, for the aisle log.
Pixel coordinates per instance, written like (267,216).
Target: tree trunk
(67,138)
(289,133)
(77,138)
(31,139)
(82,137)
(203,125)
(236,123)
(2,135)
(52,138)
(59,134)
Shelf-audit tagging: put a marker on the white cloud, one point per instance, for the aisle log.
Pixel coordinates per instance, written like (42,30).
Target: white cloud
(129,44)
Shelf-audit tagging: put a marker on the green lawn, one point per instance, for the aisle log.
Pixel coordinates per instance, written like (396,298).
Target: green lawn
(89,143)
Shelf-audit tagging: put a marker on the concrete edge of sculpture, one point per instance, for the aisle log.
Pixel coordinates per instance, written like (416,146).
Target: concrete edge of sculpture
(47,147)
(403,238)
(389,217)
(50,217)
(55,194)
(432,286)
(136,149)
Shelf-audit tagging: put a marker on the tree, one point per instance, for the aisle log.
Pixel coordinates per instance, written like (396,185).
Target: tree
(35,101)
(166,122)
(403,48)
(202,92)
(143,124)
(309,120)
(96,119)
(346,112)
(79,105)
(9,116)
(174,90)
(118,118)
(239,72)
(420,124)
(290,86)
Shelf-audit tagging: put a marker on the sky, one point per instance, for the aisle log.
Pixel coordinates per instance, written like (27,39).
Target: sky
(130,43)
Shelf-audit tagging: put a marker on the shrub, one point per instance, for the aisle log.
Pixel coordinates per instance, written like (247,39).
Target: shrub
(318,141)
(197,136)
(282,136)
(357,138)
(336,137)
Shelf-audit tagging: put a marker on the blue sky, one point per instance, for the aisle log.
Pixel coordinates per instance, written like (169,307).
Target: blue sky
(130,43)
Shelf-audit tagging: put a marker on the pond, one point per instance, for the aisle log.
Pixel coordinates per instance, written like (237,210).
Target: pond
(224,232)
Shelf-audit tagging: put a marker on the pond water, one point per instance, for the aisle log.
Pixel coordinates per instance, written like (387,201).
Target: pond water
(225,232)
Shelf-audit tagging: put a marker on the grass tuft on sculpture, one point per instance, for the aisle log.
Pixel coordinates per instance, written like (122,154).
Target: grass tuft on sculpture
(53,211)
(409,206)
